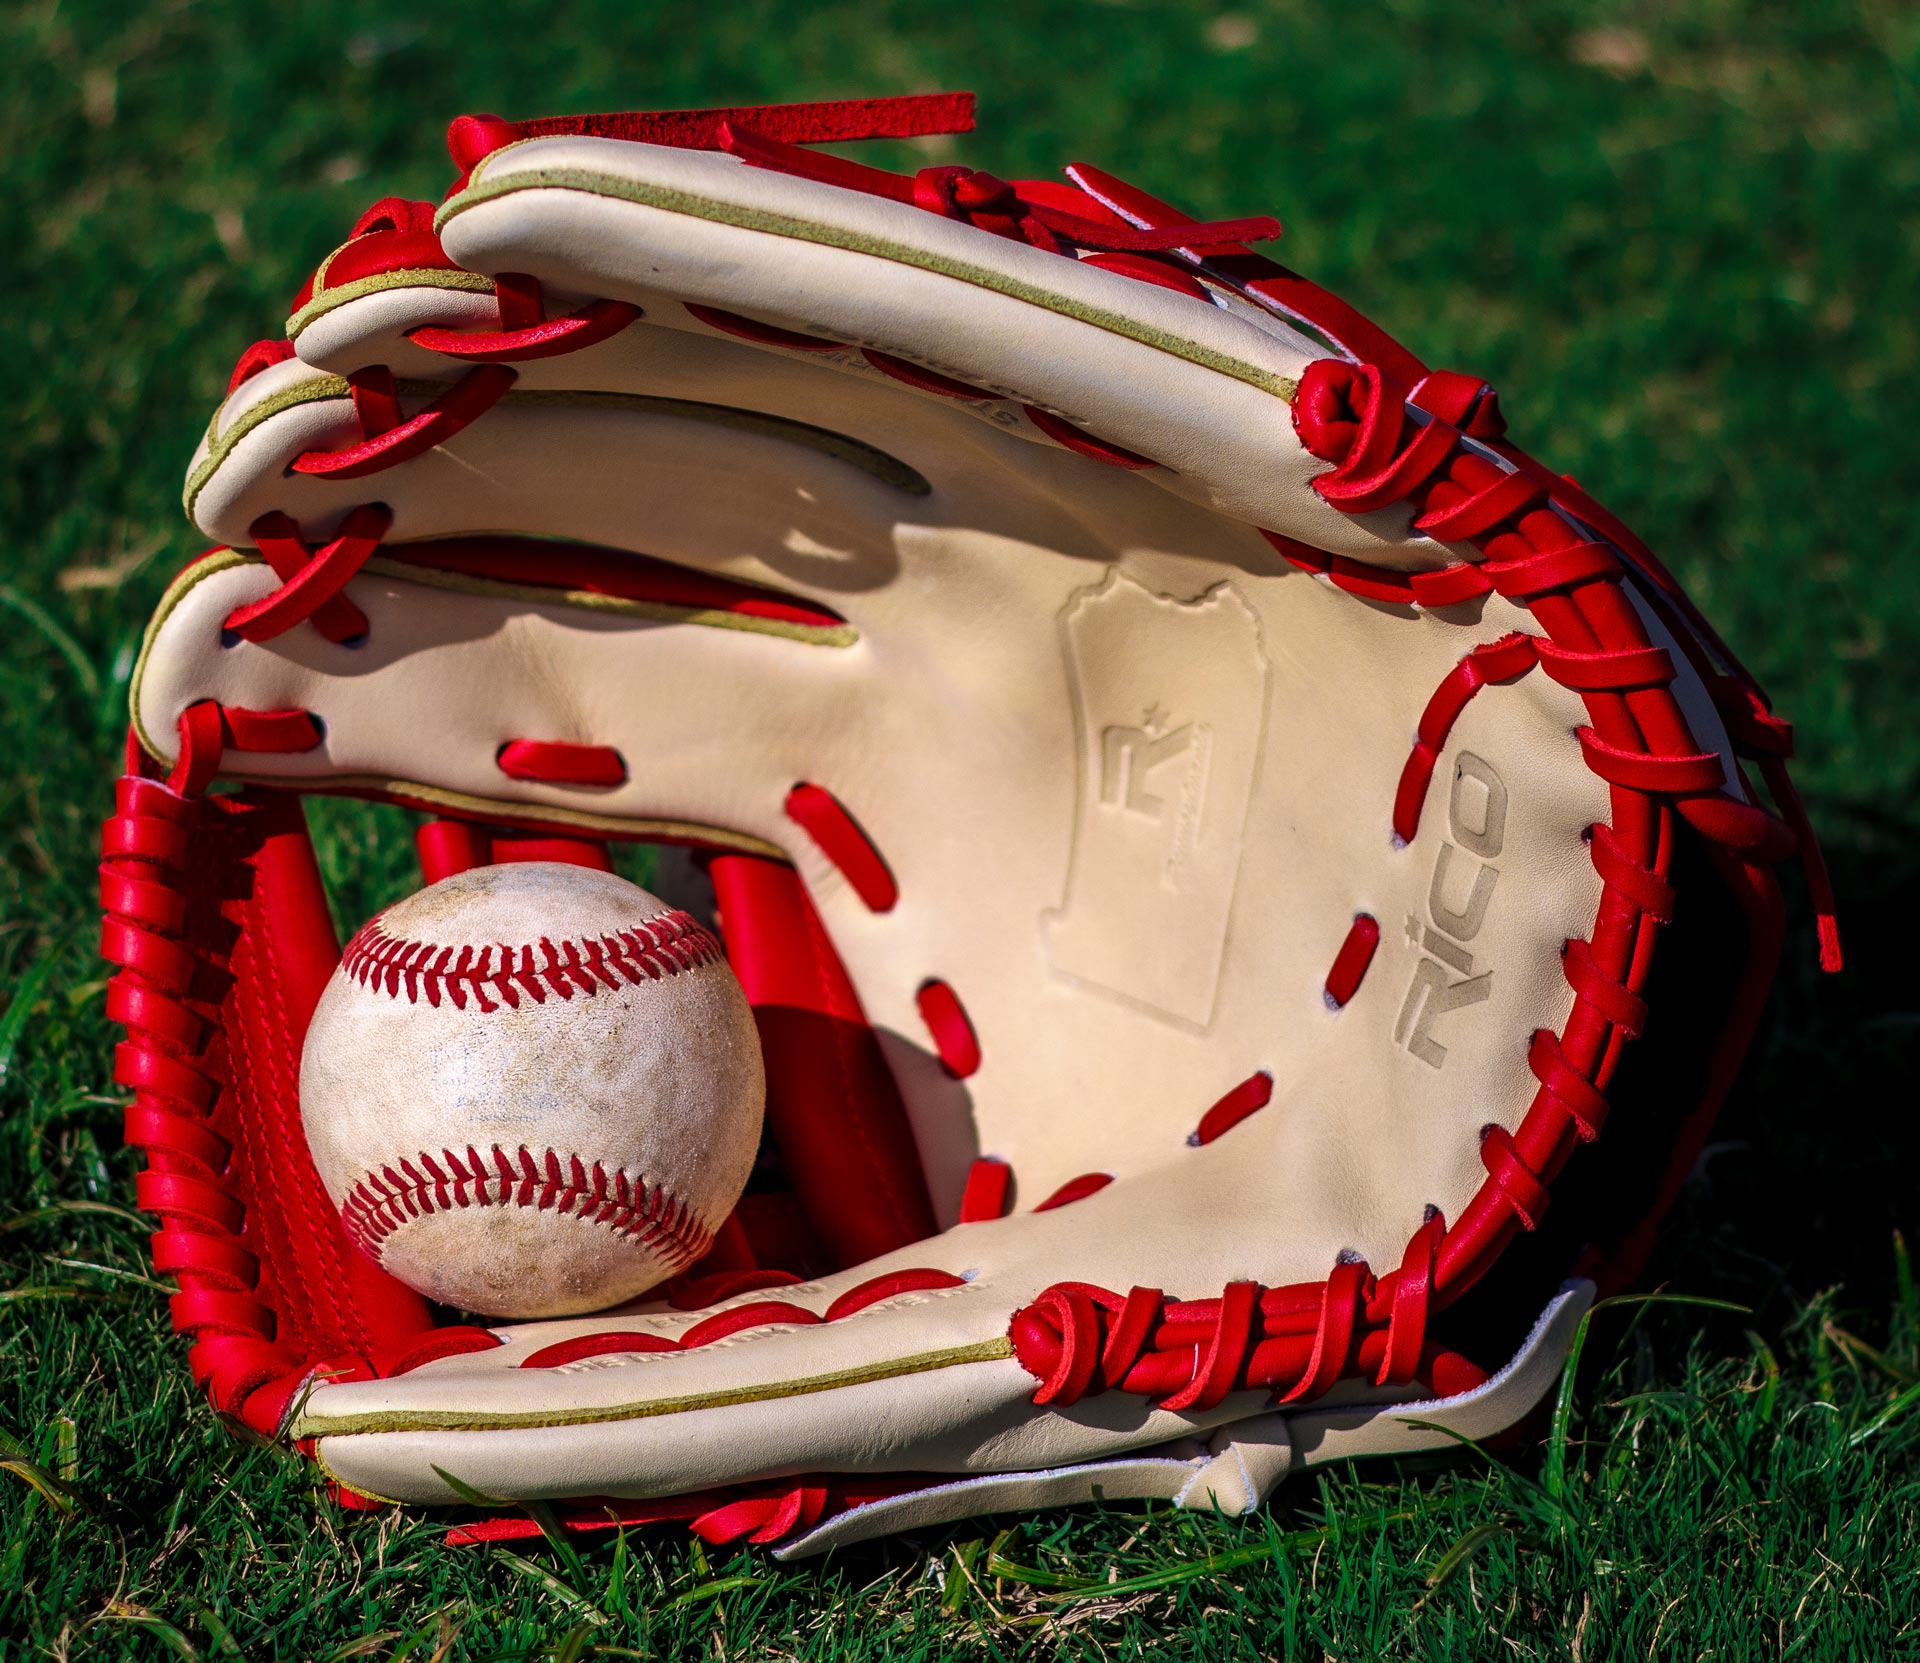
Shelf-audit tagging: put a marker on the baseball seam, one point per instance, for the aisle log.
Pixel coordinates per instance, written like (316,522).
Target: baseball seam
(497,974)
(645,1213)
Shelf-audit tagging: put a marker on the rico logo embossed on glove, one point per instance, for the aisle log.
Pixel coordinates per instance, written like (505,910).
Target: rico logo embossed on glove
(1464,878)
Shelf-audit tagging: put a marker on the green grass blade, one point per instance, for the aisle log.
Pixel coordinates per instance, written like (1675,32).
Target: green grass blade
(1887,1416)
(718,1588)
(136,1617)
(26,995)
(570,1597)
(1454,1560)
(62,1209)
(56,636)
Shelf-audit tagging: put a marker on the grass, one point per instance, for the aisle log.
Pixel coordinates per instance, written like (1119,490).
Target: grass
(1681,238)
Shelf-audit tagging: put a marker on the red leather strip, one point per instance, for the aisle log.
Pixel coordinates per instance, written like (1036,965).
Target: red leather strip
(196,1200)
(559,851)
(1251,1094)
(1374,583)
(1349,966)
(141,1068)
(1148,268)
(1466,401)
(261,355)
(374,253)
(143,838)
(549,563)
(1075,1189)
(184,1137)
(194,1309)
(1355,493)
(761,334)
(152,906)
(1283,290)
(1084,443)
(561,762)
(317,582)
(164,965)
(470,138)
(447,847)
(1333,1337)
(202,738)
(394,213)
(762,1518)
(838,836)
(985,1194)
(465,401)
(376,399)
(594,1345)
(452,1340)
(1127,1336)
(765,1314)
(1582,1102)
(244,1369)
(833,1107)
(1449,586)
(926,380)
(1509,496)
(1070,1309)
(947,1021)
(1412,1300)
(1623,1008)
(1522,1186)
(595,322)
(1646,889)
(198,1253)
(1640,772)
(153,1013)
(269,730)
(876,1288)
(282,546)
(1297,553)
(1215,1370)
(1612,671)
(1492,661)
(1532,576)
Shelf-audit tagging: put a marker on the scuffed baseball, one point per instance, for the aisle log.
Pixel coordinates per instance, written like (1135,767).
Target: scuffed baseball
(532,1090)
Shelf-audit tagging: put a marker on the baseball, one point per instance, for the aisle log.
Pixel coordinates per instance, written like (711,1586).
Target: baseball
(532,1090)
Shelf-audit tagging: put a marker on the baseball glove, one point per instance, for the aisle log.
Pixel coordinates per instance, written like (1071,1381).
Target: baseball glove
(1203,820)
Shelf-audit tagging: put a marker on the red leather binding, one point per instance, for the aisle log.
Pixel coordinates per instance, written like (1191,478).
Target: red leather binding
(832,1105)
(216,990)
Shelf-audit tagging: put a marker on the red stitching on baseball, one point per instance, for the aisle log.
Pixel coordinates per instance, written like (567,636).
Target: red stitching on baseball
(629,1205)
(497,974)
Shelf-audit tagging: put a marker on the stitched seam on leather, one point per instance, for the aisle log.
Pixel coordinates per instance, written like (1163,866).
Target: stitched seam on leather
(669,200)
(313,1425)
(498,975)
(419,1186)
(407,277)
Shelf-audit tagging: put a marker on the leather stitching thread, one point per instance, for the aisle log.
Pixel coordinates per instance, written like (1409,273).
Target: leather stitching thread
(417,1187)
(497,975)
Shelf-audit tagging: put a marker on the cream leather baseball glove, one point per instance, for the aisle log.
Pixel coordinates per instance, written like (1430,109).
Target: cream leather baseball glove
(1212,833)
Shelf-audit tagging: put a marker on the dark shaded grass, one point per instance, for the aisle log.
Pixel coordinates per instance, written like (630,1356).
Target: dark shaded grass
(1680,239)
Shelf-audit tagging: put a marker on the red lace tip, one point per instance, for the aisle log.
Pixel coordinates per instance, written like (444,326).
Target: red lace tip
(1831,960)
(472,138)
